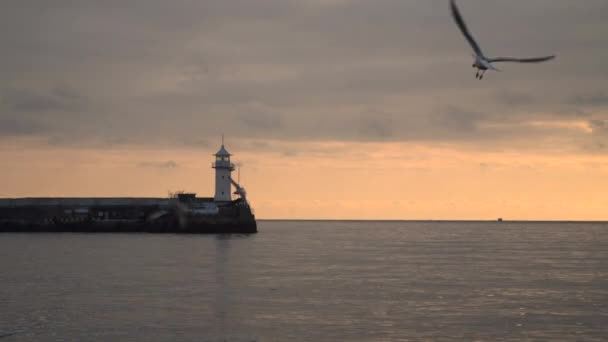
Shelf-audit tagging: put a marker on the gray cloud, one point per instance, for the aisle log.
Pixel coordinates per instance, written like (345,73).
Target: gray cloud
(515,98)
(19,126)
(374,124)
(29,111)
(599,128)
(159,165)
(591,99)
(183,72)
(58,99)
(260,120)
(598,124)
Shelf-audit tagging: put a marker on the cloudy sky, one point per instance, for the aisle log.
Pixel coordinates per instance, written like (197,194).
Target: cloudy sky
(334,108)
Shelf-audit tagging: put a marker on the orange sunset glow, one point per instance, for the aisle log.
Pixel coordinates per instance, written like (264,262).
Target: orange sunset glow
(332,180)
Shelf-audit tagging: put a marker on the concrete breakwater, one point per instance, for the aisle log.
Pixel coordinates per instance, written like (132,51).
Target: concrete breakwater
(184,214)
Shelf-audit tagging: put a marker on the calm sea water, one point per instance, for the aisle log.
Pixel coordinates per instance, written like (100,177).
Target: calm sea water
(311,281)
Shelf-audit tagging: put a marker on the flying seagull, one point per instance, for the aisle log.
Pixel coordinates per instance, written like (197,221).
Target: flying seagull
(483,63)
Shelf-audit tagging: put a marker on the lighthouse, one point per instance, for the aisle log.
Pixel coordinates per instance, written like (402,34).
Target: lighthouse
(223,167)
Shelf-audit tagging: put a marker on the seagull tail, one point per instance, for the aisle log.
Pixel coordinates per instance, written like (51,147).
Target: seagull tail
(493,67)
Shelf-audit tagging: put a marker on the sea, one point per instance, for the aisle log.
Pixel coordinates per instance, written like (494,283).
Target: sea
(311,281)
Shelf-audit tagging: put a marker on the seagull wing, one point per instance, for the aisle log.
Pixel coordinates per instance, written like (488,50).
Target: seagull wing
(521,60)
(463,27)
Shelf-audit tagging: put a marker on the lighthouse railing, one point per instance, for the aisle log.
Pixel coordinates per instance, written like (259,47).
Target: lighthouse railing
(223,164)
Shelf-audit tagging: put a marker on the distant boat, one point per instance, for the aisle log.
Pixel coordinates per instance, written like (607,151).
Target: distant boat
(499,219)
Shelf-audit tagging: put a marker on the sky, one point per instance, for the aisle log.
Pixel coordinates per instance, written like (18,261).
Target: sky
(334,109)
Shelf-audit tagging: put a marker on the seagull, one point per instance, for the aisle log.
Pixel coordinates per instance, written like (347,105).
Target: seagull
(483,63)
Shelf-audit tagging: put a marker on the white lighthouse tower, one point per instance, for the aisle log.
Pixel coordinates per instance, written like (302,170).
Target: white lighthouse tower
(223,167)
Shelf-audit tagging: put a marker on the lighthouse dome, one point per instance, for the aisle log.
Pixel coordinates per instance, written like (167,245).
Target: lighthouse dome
(222,152)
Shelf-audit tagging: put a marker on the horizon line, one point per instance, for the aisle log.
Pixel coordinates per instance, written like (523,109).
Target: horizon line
(435,220)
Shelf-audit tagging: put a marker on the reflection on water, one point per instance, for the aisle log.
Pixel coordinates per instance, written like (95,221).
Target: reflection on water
(310,281)
(225,302)
(222,303)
